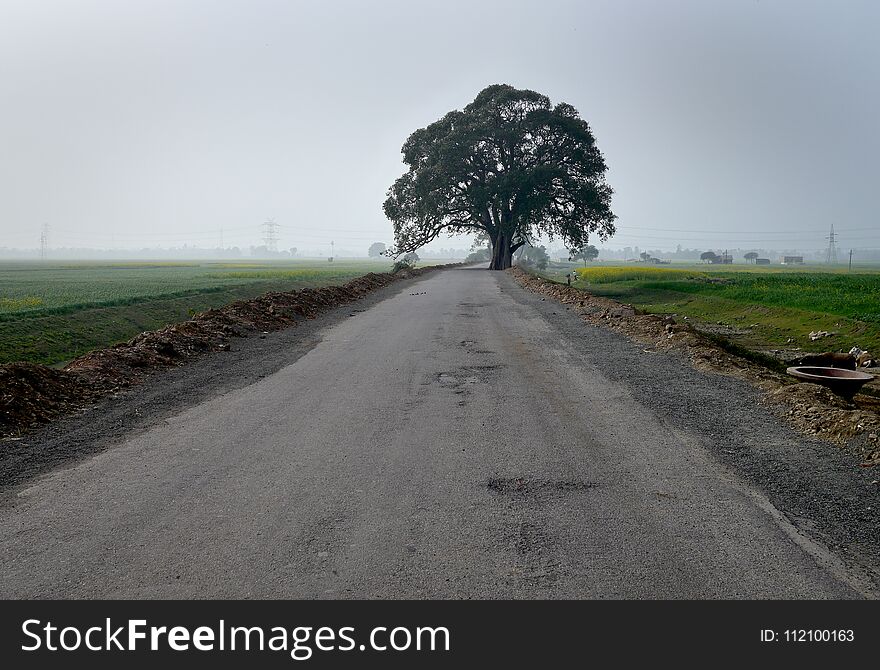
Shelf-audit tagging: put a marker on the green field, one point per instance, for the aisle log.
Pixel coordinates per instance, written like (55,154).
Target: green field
(51,313)
(761,308)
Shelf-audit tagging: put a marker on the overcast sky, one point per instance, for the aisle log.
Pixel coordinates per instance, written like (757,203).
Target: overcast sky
(138,123)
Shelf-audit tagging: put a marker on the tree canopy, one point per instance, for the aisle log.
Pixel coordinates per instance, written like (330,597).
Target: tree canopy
(586,253)
(376,249)
(510,166)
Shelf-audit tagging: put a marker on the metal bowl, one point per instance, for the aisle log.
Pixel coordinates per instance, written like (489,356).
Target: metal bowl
(843,382)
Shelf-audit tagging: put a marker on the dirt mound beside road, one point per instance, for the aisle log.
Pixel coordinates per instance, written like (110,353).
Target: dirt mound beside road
(213,329)
(32,394)
(812,409)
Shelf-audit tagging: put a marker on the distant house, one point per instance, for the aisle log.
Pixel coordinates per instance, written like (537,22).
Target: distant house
(792,260)
(721,259)
(762,261)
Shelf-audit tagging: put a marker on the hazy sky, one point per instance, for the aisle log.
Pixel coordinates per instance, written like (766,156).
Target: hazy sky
(135,123)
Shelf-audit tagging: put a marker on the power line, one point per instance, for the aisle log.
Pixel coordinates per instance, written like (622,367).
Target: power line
(763,231)
(720,239)
(181,234)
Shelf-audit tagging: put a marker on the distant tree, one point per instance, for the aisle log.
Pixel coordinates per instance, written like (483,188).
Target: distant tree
(478,256)
(535,257)
(509,165)
(376,249)
(708,256)
(293,251)
(751,256)
(412,258)
(585,253)
(645,256)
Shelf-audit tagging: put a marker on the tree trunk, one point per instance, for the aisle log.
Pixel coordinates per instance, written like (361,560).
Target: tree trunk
(502,255)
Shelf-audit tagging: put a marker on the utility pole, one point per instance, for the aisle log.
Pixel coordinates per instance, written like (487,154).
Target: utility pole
(850,260)
(831,252)
(270,236)
(332,250)
(44,241)
(221,239)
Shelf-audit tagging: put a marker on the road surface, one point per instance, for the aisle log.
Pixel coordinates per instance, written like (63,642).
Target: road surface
(451,441)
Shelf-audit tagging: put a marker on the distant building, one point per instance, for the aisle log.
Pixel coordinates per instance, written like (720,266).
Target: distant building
(762,261)
(792,260)
(721,259)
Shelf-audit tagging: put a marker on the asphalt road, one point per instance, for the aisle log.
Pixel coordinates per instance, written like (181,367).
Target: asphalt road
(451,441)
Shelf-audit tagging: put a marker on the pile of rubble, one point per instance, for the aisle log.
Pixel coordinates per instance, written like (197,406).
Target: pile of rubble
(811,408)
(862,358)
(817,411)
(31,394)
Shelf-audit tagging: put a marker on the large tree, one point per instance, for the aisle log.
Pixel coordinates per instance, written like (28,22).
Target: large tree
(510,166)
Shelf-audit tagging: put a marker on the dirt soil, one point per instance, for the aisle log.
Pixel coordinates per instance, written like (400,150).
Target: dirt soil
(813,409)
(32,394)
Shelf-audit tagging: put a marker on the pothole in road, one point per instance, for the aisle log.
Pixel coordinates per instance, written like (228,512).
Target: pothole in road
(470,344)
(523,486)
(481,370)
(449,379)
(467,375)
(530,505)
(462,381)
